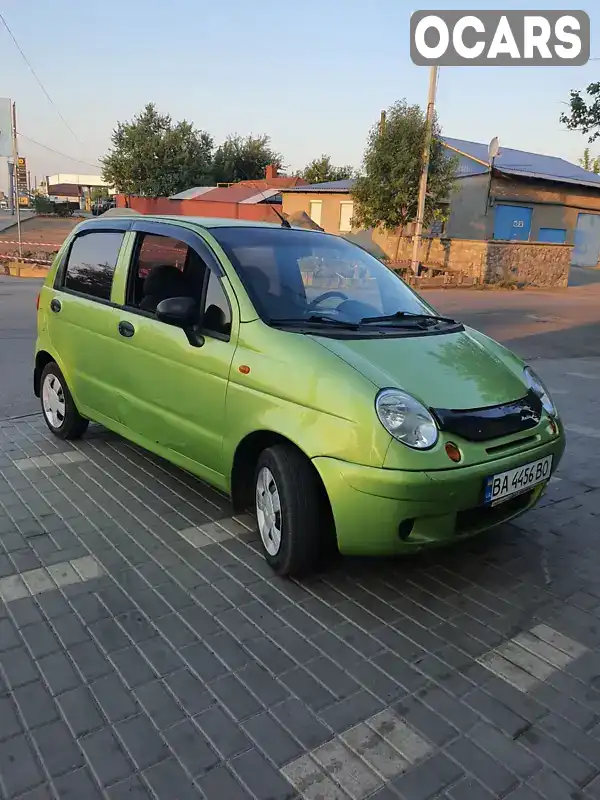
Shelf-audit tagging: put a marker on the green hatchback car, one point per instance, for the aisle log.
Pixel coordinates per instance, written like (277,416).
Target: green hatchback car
(294,371)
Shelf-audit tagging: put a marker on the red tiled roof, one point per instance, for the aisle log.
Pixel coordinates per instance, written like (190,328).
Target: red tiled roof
(274,183)
(229,194)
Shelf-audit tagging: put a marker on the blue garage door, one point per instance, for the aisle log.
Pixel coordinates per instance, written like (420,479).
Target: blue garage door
(587,241)
(553,235)
(512,222)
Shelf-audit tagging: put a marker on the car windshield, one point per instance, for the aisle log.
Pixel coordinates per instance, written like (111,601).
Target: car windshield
(305,276)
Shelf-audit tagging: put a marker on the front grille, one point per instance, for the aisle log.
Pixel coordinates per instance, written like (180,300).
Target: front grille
(482,516)
(494,422)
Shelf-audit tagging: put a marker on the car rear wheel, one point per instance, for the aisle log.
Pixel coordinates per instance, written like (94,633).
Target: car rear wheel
(291,511)
(58,408)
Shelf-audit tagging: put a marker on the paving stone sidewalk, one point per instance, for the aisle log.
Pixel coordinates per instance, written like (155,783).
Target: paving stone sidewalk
(147,651)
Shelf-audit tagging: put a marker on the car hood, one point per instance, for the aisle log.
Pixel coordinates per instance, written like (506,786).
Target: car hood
(462,370)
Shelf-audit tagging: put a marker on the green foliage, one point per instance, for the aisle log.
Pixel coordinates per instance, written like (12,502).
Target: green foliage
(41,204)
(321,170)
(584,116)
(155,157)
(99,193)
(590,163)
(244,158)
(387,193)
(64,209)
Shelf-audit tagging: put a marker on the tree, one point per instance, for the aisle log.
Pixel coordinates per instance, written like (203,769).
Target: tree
(387,194)
(155,157)
(244,158)
(321,170)
(99,193)
(588,162)
(584,117)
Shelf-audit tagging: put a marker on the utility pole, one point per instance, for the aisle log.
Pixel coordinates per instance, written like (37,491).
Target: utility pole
(15,173)
(433,78)
(382,123)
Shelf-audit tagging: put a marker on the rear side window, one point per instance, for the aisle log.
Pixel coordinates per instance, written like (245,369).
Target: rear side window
(163,265)
(92,263)
(156,251)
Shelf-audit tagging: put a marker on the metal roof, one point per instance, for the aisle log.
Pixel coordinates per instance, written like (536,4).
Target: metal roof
(193,193)
(260,197)
(529,165)
(509,161)
(329,186)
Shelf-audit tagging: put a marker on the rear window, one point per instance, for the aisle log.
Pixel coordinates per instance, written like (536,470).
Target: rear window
(92,262)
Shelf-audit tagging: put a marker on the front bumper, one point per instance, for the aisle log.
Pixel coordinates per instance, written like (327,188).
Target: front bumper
(369,505)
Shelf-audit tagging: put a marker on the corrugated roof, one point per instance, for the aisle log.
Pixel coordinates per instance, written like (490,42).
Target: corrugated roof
(229,194)
(329,186)
(280,182)
(193,193)
(531,165)
(514,162)
(260,197)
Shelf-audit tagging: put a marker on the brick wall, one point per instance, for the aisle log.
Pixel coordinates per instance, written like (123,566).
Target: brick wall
(259,212)
(532,263)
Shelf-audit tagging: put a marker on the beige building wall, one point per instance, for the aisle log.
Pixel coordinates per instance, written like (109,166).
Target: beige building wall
(331,211)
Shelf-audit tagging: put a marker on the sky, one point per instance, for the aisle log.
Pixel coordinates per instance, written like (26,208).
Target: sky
(313,75)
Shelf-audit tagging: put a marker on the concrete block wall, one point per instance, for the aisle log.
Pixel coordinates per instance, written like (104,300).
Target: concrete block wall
(532,263)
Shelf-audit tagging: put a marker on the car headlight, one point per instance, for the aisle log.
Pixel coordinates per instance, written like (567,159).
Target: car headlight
(535,383)
(406,419)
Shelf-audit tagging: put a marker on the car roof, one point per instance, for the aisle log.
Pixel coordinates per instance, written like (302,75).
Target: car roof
(215,222)
(207,223)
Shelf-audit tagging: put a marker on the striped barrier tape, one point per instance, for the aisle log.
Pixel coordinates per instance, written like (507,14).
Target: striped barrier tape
(31,244)
(29,260)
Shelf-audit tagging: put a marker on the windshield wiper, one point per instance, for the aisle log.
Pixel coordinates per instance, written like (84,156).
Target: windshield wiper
(408,316)
(314,318)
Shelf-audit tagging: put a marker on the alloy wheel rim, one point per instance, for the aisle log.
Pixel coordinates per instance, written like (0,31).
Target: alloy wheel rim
(268,511)
(53,401)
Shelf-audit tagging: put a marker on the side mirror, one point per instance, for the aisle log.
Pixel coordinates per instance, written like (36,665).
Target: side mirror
(182,312)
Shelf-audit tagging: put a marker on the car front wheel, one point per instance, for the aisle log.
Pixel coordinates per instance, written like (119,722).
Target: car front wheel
(291,511)
(58,408)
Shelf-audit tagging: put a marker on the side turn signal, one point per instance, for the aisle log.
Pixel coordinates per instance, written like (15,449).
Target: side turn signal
(453,452)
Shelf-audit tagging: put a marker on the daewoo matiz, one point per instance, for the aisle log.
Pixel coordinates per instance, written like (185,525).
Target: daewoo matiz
(294,371)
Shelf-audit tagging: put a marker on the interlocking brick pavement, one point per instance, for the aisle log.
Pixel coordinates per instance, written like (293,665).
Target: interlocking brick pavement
(147,651)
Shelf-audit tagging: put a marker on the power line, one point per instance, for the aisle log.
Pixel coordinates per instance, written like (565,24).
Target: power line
(35,75)
(58,153)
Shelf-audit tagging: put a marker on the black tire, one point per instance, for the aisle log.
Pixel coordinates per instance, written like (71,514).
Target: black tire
(72,424)
(305,521)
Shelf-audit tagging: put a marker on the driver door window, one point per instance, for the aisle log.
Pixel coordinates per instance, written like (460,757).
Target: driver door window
(162,268)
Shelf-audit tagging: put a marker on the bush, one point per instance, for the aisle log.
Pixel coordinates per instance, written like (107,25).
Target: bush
(42,205)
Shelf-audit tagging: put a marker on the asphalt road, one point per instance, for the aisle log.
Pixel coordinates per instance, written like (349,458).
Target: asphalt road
(7,220)
(535,324)
(17,341)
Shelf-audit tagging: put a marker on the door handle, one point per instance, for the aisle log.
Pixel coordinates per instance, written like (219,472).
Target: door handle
(126,329)
(55,305)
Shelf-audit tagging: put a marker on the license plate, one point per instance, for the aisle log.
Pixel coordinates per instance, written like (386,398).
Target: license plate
(513,482)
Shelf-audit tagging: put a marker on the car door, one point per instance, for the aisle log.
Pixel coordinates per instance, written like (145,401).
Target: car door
(171,392)
(81,317)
